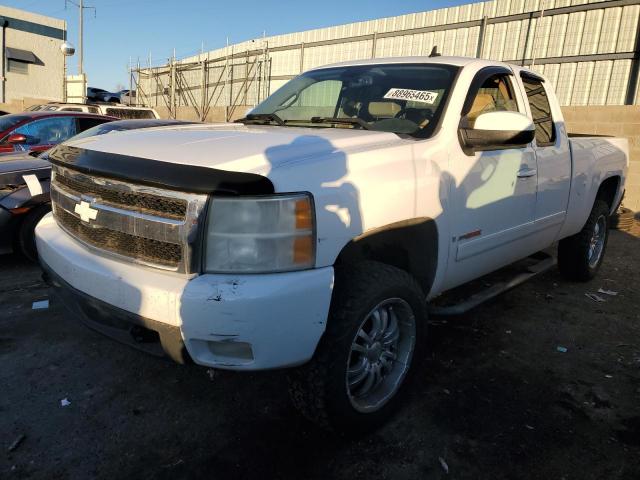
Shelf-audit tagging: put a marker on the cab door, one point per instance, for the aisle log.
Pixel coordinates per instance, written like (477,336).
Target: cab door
(493,192)
(553,157)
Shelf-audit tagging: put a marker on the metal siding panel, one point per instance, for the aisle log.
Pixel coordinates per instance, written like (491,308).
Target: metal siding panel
(573,37)
(430,18)
(464,13)
(438,40)
(565,82)
(628,28)
(591,33)
(449,42)
(502,8)
(582,84)
(512,37)
(497,45)
(427,43)
(609,30)
(600,82)
(557,35)
(552,71)
(542,35)
(489,9)
(488,41)
(462,35)
(452,14)
(517,6)
(525,39)
(476,11)
(619,81)
(472,42)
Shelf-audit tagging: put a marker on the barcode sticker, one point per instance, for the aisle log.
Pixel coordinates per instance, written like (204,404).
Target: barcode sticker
(423,96)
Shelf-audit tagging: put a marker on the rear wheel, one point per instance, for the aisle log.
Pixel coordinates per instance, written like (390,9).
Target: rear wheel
(358,374)
(580,256)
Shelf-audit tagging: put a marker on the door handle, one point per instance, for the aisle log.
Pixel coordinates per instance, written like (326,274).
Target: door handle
(527,172)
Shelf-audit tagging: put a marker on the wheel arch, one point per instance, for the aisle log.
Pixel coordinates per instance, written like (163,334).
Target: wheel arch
(410,245)
(608,191)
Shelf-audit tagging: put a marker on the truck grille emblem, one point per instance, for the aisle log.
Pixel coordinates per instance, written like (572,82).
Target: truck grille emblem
(85,211)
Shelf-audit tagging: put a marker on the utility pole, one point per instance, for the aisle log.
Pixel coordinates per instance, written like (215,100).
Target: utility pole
(81,9)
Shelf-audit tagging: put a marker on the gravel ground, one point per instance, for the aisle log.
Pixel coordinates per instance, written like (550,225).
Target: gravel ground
(497,396)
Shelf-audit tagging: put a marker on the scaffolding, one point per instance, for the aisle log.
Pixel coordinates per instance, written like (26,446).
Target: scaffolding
(589,51)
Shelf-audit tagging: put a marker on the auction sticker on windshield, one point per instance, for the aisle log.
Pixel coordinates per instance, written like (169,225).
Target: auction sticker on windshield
(423,96)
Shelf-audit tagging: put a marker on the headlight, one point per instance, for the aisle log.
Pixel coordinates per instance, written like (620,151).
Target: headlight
(260,234)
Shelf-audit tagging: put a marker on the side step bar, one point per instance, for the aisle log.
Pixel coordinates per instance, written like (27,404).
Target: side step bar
(463,306)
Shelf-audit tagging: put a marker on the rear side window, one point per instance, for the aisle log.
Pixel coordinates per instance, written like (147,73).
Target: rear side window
(129,113)
(541,112)
(85,123)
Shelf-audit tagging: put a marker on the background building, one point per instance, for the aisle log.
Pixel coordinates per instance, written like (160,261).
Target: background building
(32,62)
(588,49)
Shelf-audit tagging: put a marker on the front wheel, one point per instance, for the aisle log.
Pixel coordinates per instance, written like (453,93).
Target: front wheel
(365,358)
(26,238)
(580,256)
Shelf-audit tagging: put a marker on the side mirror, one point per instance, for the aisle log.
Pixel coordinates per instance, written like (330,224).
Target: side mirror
(16,139)
(496,130)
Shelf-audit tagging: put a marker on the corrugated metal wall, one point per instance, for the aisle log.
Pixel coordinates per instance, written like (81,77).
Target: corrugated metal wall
(587,49)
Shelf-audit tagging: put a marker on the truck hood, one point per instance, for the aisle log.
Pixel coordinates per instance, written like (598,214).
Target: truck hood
(235,147)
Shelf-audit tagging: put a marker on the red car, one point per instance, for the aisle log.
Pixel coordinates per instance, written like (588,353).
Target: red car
(39,131)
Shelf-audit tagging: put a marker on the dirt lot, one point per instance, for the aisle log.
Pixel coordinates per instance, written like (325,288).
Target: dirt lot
(496,397)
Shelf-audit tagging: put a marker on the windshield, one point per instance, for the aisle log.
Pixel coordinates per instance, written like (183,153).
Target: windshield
(398,98)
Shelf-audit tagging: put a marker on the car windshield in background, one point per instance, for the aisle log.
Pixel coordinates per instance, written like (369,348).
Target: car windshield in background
(8,121)
(403,99)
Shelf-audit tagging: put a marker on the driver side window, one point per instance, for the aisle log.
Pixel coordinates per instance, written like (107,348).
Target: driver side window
(495,94)
(48,131)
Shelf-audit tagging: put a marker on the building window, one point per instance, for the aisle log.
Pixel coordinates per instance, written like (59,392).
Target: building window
(16,66)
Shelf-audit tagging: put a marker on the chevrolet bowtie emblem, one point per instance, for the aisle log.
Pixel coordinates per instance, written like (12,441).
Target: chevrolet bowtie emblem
(85,211)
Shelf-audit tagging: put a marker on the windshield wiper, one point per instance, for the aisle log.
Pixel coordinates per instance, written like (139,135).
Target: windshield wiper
(261,118)
(347,121)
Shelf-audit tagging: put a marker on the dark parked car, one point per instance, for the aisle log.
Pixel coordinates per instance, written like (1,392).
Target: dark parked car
(39,131)
(24,188)
(96,94)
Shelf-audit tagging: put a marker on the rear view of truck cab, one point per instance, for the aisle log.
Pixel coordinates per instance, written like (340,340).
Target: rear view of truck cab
(313,234)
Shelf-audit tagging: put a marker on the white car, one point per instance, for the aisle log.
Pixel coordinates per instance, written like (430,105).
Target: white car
(315,233)
(123,112)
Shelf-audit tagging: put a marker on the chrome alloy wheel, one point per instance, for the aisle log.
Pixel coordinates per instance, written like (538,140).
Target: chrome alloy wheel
(380,355)
(596,244)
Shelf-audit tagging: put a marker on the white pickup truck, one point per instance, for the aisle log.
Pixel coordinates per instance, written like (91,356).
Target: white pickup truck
(317,232)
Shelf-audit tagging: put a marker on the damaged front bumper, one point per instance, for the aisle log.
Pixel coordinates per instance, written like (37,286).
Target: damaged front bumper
(235,322)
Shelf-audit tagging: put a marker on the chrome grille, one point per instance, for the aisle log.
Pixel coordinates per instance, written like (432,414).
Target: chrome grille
(147,225)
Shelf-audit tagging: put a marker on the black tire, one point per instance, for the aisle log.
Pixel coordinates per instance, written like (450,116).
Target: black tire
(25,237)
(574,258)
(319,389)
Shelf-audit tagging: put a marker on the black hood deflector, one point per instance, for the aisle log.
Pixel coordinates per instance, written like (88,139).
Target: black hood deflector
(155,173)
